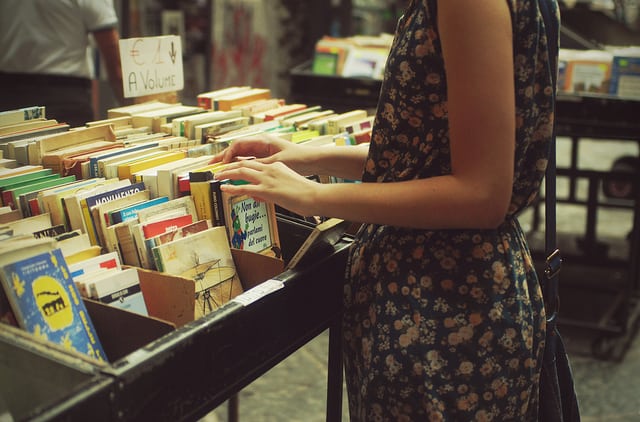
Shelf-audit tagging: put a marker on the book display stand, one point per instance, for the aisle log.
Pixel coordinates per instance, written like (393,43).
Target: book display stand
(162,373)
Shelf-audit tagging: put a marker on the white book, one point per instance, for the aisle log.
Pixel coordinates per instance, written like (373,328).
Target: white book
(119,288)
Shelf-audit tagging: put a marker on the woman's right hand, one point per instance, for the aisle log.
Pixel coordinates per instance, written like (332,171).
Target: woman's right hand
(265,148)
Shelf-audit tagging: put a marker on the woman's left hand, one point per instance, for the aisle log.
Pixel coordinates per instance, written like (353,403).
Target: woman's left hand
(273,182)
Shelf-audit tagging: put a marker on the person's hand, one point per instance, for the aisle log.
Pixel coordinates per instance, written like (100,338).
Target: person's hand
(271,182)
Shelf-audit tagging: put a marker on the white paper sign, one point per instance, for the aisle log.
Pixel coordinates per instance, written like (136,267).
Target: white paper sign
(151,65)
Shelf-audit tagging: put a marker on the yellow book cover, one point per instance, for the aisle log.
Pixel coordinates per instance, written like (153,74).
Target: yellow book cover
(91,252)
(227,102)
(126,171)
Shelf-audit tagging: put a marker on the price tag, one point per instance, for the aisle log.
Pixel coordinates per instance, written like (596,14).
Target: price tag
(151,65)
(260,291)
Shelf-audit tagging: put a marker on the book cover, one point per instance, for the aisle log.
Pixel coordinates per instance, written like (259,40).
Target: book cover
(46,302)
(251,225)
(159,227)
(119,288)
(127,213)
(103,197)
(205,258)
(101,219)
(126,244)
(105,261)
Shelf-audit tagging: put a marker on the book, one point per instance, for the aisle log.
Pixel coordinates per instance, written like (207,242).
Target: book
(11,196)
(167,176)
(174,207)
(17,251)
(226,102)
(126,244)
(100,212)
(108,167)
(73,203)
(79,164)
(163,226)
(51,199)
(129,212)
(73,243)
(322,238)
(206,99)
(107,195)
(185,126)
(177,233)
(95,158)
(125,171)
(129,110)
(204,257)
(251,225)
(19,115)
(156,118)
(219,127)
(277,112)
(119,288)
(4,173)
(105,261)
(46,302)
(75,140)
(200,191)
(337,123)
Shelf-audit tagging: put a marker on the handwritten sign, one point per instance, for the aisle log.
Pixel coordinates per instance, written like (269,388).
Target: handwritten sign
(151,65)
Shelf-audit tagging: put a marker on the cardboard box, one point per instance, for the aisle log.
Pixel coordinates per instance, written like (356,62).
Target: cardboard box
(172,298)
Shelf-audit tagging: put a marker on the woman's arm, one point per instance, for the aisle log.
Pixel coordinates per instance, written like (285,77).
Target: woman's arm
(477,44)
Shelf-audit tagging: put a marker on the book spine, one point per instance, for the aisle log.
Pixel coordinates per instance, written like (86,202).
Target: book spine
(216,204)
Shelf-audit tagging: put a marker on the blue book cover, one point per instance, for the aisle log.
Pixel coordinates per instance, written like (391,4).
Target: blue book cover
(47,304)
(128,213)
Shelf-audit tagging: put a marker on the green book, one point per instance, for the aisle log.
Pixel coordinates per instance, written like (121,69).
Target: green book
(5,181)
(15,193)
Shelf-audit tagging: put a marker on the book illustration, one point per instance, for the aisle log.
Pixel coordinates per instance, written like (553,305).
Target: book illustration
(46,302)
(205,258)
(252,225)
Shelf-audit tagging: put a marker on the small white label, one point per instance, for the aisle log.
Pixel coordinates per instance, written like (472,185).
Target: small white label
(151,65)
(260,291)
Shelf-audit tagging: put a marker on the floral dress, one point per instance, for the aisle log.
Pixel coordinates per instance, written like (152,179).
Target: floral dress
(447,324)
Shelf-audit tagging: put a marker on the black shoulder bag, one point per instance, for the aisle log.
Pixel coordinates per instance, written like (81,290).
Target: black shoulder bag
(557,401)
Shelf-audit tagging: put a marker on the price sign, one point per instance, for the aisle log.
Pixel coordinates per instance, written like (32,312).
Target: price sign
(151,65)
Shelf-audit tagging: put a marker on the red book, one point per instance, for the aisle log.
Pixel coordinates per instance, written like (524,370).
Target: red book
(158,227)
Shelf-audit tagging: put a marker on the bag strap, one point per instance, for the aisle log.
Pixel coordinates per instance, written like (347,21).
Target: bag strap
(553,258)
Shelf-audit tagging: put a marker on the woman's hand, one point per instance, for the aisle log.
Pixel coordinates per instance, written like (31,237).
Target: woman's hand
(271,182)
(266,148)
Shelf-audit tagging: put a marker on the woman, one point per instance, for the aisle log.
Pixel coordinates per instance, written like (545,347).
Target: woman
(444,318)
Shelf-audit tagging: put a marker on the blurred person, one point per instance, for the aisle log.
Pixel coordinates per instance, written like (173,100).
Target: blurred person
(443,317)
(46,57)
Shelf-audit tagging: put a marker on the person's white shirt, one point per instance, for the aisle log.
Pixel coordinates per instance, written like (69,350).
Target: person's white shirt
(51,36)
